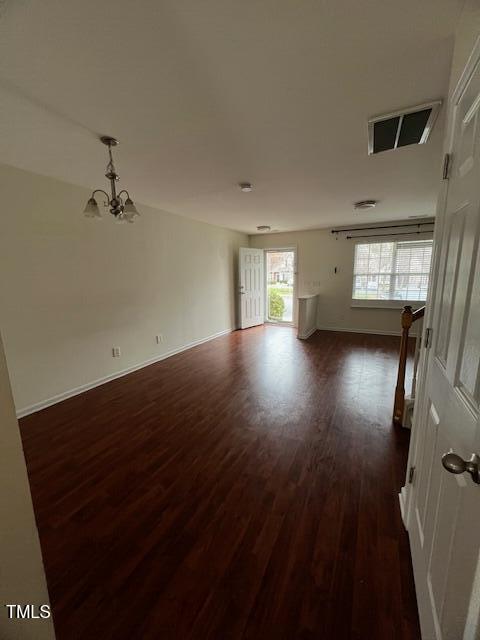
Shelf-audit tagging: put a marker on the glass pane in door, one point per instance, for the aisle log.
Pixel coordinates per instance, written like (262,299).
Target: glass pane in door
(280,276)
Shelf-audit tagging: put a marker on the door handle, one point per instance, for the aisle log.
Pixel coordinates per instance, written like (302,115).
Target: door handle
(455,464)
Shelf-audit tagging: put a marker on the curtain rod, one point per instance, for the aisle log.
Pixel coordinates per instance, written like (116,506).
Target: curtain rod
(390,226)
(388,235)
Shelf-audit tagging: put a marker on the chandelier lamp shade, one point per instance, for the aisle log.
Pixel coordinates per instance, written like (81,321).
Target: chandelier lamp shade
(120,204)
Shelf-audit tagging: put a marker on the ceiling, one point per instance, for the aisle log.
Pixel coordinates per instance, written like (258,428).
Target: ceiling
(203,95)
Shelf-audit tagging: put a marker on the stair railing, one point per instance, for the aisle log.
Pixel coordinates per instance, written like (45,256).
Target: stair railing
(407,319)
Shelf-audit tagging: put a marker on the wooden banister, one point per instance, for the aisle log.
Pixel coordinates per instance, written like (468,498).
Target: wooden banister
(408,318)
(419,313)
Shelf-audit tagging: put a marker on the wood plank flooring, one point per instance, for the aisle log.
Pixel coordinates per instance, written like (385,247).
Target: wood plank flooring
(245,489)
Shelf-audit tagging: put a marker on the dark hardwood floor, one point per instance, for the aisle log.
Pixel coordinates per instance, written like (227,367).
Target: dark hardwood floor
(246,488)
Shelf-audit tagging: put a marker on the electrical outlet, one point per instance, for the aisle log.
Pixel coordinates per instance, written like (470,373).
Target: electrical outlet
(116,353)
(160,338)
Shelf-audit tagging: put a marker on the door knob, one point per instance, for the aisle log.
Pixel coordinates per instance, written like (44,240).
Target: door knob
(455,464)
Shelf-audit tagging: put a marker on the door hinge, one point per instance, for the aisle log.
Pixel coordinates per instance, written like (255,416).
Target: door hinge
(447,164)
(428,337)
(411,474)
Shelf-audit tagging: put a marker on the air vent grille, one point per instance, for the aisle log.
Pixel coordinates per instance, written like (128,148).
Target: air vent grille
(410,126)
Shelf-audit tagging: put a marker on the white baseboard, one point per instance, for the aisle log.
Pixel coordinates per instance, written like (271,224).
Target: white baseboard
(305,336)
(377,332)
(43,404)
(402,500)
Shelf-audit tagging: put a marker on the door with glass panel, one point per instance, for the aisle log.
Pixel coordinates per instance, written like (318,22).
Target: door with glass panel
(280,285)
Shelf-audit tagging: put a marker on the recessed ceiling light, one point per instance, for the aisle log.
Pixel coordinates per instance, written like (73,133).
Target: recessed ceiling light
(365,204)
(263,227)
(246,187)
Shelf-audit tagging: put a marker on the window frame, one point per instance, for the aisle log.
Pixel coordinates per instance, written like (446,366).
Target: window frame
(273,249)
(379,303)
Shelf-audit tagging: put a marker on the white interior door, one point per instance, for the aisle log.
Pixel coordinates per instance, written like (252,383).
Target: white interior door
(444,513)
(251,287)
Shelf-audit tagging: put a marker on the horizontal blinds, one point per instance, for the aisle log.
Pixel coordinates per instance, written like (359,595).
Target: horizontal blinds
(392,270)
(413,257)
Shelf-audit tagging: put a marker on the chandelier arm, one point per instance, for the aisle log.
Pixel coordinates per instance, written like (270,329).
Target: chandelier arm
(101,191)
(124,191)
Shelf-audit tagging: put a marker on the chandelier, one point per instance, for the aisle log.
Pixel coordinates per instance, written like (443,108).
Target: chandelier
(121,208)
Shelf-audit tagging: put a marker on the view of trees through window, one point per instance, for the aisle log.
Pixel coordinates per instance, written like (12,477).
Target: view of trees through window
(280,276)
(392,270)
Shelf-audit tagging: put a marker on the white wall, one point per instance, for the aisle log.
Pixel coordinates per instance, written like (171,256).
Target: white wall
(318,253)
(71,288)
(22,579)
(467,33)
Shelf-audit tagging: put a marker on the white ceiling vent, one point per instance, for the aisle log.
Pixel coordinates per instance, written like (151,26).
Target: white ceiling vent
(399,129)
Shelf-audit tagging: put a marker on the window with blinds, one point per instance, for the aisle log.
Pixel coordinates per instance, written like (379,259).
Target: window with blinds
(392,270)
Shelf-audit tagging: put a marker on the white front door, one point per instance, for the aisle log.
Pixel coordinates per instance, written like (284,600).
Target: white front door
(251,287)
(443,515)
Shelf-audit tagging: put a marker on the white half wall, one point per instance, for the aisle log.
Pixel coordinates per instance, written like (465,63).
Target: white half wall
(318,254)
(73,288)
(22,578)
(307,316)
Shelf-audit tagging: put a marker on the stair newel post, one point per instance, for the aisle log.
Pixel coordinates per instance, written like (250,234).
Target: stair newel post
(399,404)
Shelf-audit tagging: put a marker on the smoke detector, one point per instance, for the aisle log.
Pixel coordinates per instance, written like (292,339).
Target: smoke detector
(246,187)
(365,204)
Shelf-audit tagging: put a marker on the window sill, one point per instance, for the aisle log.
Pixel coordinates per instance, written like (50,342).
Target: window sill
(385,304)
